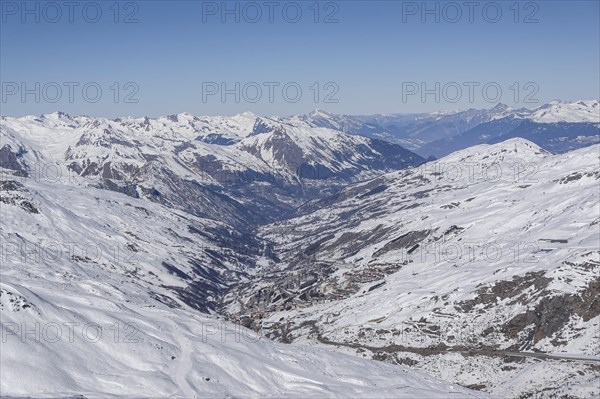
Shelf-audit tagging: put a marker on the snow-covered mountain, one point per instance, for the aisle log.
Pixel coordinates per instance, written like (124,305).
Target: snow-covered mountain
(415,130)
(556,137)
(183,237)
(104,295)
(171,159)
(458,267)
(344,123)
(410,130)
(556,126)
(585,111)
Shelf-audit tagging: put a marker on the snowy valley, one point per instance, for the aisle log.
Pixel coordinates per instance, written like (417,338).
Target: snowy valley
(302,256)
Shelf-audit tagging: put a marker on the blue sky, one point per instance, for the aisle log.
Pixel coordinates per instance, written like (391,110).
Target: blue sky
(370,57)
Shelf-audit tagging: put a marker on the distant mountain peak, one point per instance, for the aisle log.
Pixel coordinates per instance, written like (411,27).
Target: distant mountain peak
(320,113)
(181,117)
(247,114)
(56,115)
(500,107)
(582,111)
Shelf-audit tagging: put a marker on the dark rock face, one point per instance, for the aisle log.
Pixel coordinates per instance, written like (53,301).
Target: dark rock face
(552,313)
(11,185)
(119,187)
(488,296)
(547,313)
(11,193)
(406,241)
(12,159)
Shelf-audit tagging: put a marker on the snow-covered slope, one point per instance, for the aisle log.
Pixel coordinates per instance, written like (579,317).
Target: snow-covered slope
(101,295)
(491,251)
